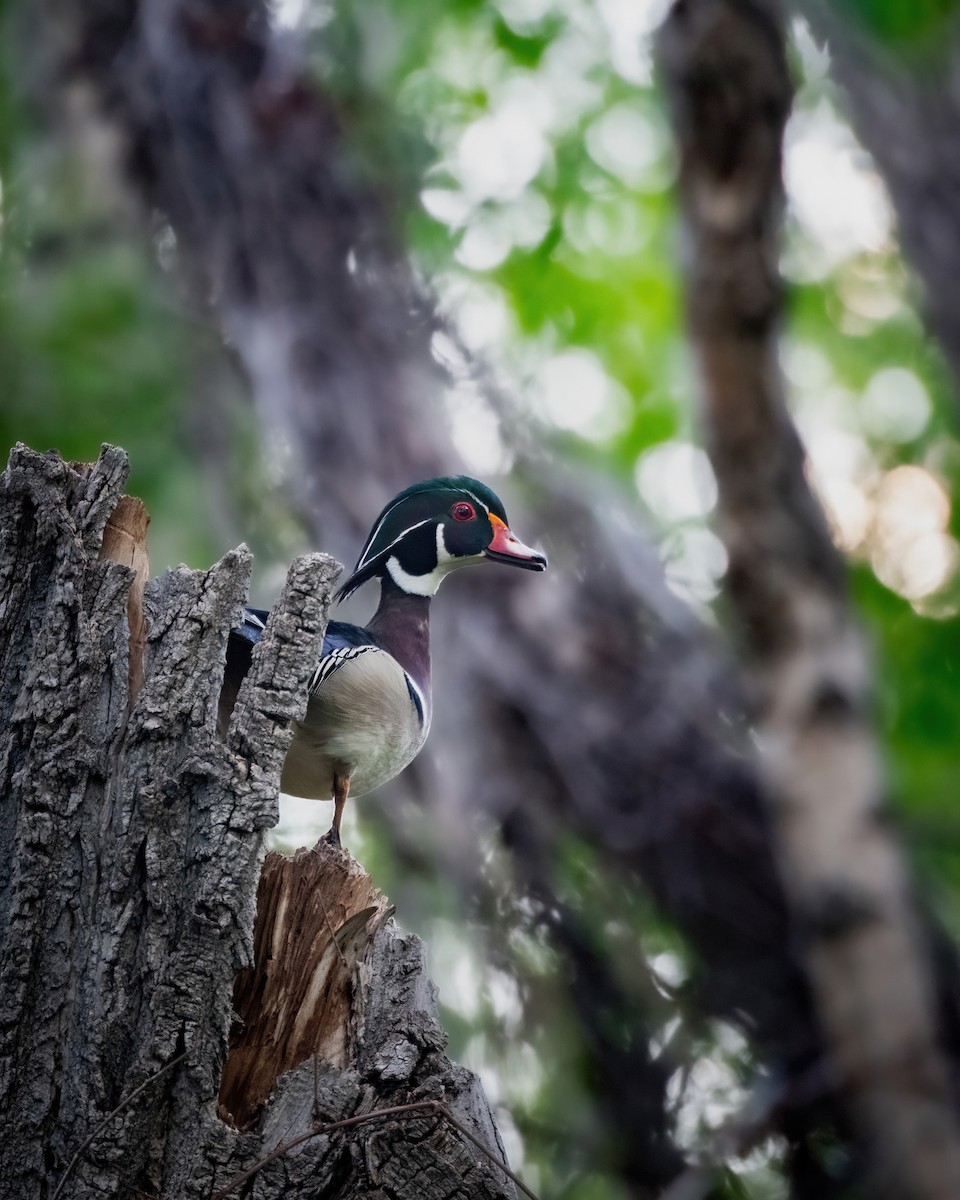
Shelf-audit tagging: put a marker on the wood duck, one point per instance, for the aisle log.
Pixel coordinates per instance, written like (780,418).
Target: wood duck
(370,703)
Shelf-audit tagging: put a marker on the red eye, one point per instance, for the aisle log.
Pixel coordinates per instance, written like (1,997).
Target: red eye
(463,511)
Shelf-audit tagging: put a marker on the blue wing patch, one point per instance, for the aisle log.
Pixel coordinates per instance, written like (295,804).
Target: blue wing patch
(340,634)
(341,643)
(254,623)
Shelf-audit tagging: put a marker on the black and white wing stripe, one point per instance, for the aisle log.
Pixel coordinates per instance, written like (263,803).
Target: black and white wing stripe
(334,659)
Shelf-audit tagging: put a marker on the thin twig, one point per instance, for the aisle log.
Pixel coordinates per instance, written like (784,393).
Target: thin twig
(84,1145)
(378,1114)
(447,1115)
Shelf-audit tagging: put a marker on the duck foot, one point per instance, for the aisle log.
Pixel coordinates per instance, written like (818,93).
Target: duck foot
(341,790)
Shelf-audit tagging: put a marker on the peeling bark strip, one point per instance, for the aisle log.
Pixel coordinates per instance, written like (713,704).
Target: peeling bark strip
(727,74)
(134,839)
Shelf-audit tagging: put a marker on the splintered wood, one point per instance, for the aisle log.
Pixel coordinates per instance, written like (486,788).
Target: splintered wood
(316,914)
(125,542)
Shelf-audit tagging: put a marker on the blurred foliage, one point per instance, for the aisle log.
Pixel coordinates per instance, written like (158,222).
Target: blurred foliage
(96,344)
(525,148)
(921,24)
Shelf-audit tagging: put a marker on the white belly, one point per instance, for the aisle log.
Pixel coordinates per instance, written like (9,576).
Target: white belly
(361,722)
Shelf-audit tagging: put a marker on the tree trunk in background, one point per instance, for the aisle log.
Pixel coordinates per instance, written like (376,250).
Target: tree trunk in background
(134,840)
(724,62)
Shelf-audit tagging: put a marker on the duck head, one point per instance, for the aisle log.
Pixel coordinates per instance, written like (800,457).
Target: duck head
(434,527)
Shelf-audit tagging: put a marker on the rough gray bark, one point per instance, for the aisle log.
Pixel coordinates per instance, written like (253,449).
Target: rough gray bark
(725,65)
(134,839)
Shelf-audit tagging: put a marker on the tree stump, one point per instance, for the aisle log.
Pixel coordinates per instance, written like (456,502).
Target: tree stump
(134,837)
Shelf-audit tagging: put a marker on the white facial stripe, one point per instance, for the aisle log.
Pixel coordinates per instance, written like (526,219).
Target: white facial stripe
(447,562)
(398,538)
(480,502)
(373,536)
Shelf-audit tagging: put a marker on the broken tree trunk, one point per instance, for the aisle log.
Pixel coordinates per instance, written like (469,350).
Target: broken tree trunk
(133,838)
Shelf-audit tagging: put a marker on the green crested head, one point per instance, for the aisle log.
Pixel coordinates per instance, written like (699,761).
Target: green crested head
(434,527)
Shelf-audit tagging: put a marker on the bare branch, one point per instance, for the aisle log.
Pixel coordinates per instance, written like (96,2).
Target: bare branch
(413,1109)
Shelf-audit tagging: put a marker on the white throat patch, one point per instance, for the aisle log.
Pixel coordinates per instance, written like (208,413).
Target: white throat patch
(426,585)
(417,585)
